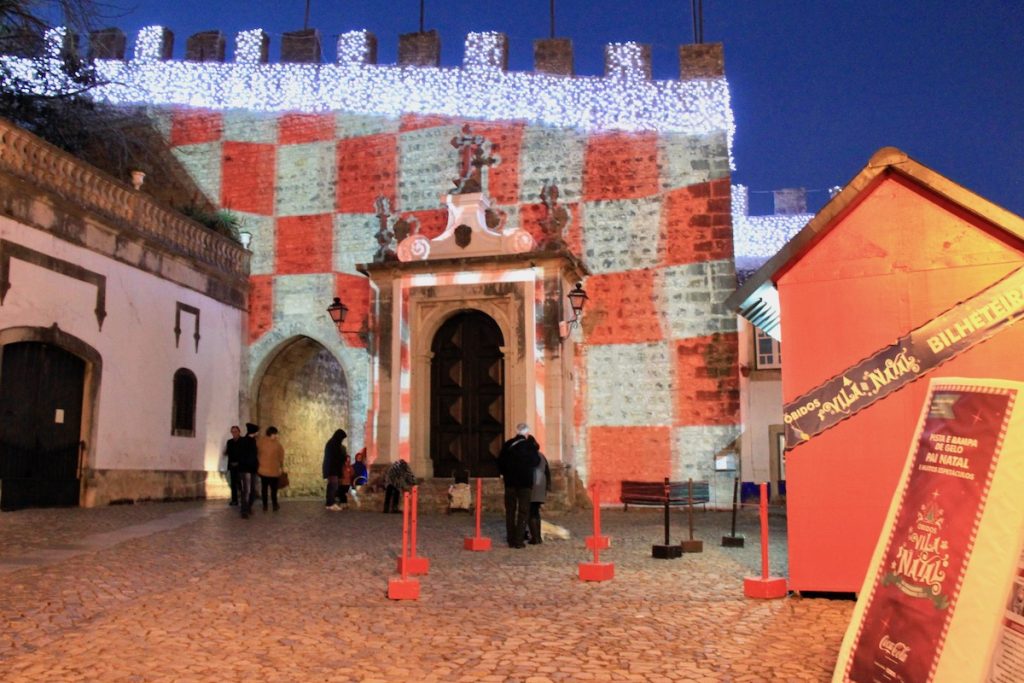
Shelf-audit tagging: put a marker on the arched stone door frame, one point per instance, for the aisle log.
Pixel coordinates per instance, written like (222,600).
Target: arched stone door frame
(354,363)
(427,315)
(93,374)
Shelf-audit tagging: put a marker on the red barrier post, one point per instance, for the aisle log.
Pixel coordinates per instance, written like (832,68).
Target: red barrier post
(414,564)
(764,586)
(597,541)
(477,543)
(404,588)
(597,570)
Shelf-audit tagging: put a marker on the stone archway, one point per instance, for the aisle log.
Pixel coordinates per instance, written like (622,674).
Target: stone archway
(305,394)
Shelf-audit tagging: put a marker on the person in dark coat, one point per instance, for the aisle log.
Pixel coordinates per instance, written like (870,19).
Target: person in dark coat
(518,459)
(539,494)
(334,459)
(231,452)
(248,464)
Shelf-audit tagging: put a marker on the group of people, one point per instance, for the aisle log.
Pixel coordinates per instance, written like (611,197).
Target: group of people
(341,473)
(524,471)
(253,458)
(527,478)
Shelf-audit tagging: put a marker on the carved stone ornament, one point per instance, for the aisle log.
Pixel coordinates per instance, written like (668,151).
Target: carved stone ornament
(463,235)
(414,248)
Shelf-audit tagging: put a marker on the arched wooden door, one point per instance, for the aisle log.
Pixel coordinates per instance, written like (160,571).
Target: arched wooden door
(41,390)
(467,402)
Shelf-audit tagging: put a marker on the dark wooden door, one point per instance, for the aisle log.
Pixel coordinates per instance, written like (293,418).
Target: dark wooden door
(41,388)
(467,405)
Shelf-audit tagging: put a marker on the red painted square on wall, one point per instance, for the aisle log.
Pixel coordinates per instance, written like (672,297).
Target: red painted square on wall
(195,126)
(696,226)
(247,178)
(367,169)
(622,308)
(707,380)
(295,129)
(618,453)
(621,166)
(304,244)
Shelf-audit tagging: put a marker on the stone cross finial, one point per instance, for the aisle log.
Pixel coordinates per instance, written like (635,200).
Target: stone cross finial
(474,156)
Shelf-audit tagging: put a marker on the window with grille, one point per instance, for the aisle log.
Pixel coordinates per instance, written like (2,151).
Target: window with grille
(183,409)
(769,352)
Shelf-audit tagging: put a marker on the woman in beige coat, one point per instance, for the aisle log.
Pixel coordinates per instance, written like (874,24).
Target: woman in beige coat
(271,456)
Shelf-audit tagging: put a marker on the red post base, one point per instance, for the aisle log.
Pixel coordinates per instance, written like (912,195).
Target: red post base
(414,565)
(602,542)
(403,589)
(597,571)
(476,543)
(772,587)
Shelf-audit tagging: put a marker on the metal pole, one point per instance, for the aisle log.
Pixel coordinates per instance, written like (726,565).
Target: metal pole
(305,22)
(735,493)
(414,521)
(667,490)
(479,488)
(405,535)
(421,15)
(552,18)
(764,530)
(690,506)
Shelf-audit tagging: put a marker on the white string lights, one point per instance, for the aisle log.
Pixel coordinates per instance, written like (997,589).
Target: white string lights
(757,238)
(626,100)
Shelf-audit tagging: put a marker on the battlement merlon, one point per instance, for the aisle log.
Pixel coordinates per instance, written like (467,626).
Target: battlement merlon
(625,98)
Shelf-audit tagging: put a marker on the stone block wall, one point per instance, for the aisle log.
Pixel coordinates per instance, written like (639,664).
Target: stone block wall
(650,216)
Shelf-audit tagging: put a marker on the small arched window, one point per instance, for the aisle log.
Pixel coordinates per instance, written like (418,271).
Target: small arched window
(183,409)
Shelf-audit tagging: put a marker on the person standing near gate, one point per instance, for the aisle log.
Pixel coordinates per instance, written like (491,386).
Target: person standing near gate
(248,463)
(232,451)
(271,457)
(518,459)
(334,461)
(539,494)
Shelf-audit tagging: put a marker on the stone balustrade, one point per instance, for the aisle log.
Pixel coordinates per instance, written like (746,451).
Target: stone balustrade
(25,156)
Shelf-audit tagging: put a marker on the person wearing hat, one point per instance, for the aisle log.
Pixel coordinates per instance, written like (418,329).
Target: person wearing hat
(335,454)
(248,464)
(517,461)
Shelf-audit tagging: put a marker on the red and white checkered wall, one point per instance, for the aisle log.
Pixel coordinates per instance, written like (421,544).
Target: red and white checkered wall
(659,392)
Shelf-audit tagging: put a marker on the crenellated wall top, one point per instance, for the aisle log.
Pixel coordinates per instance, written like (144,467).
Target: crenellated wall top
(49,169)
(624,98)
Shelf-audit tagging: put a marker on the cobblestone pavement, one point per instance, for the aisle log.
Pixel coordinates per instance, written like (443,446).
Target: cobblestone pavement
(191,592)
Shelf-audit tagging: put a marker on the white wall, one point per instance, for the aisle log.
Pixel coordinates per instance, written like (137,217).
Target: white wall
(760,407)
(138,350)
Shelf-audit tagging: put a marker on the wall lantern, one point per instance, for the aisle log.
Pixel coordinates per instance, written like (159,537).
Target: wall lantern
(245,238)
(337,311)
(577,300)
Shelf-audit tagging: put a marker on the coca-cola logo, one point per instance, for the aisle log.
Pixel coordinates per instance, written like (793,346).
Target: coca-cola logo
(898,651)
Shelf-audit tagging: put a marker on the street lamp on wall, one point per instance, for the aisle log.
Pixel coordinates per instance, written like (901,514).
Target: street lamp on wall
(577,300)
(338,311)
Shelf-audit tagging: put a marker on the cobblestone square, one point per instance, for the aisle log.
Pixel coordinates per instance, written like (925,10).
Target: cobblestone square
(191,592)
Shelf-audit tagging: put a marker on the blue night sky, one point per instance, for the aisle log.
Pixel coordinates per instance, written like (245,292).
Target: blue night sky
(817,85)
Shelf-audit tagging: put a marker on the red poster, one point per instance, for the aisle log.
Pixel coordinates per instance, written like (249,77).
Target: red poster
(914,594)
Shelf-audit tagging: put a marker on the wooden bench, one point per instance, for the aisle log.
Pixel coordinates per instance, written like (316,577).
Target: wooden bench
(653,493)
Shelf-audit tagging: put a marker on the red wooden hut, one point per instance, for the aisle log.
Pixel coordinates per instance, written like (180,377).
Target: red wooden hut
(902,275)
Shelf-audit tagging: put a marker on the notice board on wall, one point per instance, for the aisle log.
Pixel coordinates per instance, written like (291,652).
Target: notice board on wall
(936,599)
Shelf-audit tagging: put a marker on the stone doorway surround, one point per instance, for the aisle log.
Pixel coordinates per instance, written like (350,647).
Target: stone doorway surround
(525,294)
